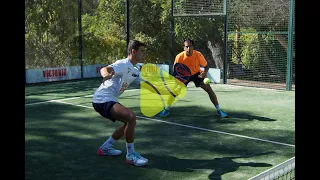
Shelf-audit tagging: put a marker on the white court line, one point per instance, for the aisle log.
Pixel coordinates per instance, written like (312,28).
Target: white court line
(192,127)
(65,99)
(220,132)
(78,97)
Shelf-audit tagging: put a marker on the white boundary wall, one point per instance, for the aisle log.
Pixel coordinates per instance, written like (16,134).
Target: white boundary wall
(62,73)
(90,71)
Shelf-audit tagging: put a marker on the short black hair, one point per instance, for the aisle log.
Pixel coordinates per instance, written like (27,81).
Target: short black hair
(134,44)
(190,40)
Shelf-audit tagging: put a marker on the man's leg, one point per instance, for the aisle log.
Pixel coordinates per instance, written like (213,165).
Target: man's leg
(121,113)
(106,148)
(210,92)
(127,116)
(199,83)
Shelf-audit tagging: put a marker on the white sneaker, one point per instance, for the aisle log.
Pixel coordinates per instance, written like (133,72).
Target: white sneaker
(108,152)
(136,159)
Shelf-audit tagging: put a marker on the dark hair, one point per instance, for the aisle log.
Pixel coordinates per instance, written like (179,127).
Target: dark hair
(190,40)
(134,44)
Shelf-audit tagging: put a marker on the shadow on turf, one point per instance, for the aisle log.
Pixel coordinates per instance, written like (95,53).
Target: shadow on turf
(250,117)
(201,112)
(220,166)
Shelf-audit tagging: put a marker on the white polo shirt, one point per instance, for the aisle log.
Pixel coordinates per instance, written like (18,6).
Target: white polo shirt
(110,90)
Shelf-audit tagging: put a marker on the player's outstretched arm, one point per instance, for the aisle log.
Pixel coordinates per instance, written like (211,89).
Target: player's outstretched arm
(106,72)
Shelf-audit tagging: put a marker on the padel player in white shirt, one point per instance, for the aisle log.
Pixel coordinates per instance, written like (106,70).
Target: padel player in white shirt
(117,77)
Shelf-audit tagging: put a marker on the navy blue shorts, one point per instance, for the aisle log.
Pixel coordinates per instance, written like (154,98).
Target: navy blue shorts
(104,109)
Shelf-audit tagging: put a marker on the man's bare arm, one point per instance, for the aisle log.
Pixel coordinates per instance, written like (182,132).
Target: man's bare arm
(106,72)
(203,74)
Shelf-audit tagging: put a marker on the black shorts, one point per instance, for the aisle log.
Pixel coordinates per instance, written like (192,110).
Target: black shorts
(104,109)
(197,80)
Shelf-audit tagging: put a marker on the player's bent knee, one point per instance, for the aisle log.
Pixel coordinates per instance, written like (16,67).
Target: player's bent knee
(131,118)
(132,115)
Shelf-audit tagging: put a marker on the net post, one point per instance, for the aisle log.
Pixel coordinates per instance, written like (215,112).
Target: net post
(225,3)
(172,38)
(289,51)
(80,35)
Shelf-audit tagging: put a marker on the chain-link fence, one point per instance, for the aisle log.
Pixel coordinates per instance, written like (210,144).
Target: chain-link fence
(260,43)
(250,41)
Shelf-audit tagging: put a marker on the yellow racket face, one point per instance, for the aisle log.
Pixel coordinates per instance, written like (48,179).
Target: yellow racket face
(164,90)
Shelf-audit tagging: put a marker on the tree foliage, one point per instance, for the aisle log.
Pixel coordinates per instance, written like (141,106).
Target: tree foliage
(50,28)
(52,32)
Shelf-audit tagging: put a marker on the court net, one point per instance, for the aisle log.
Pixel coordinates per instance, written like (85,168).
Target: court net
(285,170)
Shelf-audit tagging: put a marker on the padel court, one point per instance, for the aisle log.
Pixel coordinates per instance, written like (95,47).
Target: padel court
(63,132)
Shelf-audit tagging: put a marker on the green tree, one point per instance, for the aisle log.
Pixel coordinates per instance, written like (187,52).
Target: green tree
(104,32)
(50,33)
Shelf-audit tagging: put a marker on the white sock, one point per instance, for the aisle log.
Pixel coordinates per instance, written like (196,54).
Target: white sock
(168,108)
(108,143)
(130,148)
(218,107)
